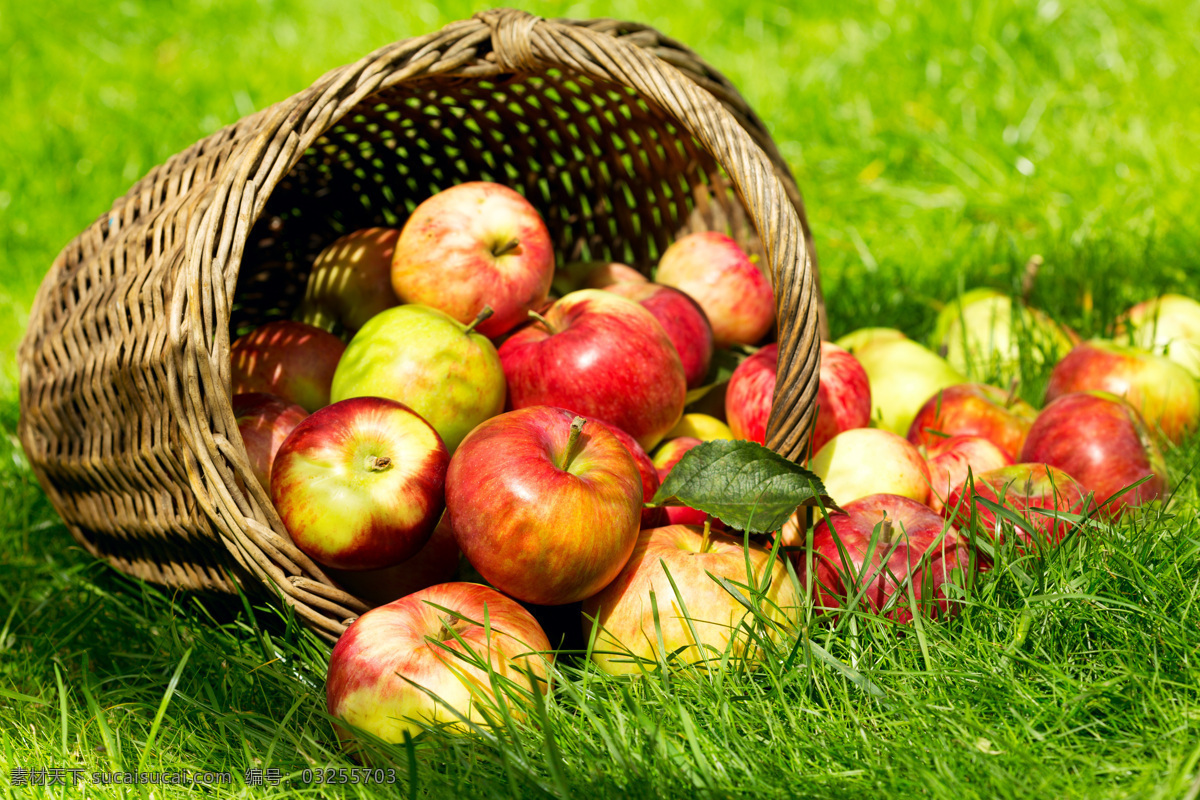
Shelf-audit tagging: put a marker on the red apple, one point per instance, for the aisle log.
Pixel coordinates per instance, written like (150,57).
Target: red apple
(951,460)
(351,281)
(628,640)
(546,508)
(1102,442)
(880,559)
(264,421)
(1027,489)
(865,461)
(651,517)
(288,359)
(1161,390)
(665,458)
(713,270)
(973,409)
(434,563)
(359,484)
(473,245)
(413,663)
(681,318)
(601,356)
(749,394)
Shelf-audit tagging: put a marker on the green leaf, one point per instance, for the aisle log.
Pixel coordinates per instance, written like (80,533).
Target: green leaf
(743,484)
(720,369)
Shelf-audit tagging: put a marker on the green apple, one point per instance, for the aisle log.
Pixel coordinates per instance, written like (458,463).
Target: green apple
(430,362)
(986,336)
(903,375)
(1168,325)
(861,339)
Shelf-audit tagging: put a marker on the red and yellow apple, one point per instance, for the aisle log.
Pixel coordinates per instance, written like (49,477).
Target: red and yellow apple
(288,359)
(681,318)
(865,461)
(950,461)
(973,409)
(264,421)
(1037,493)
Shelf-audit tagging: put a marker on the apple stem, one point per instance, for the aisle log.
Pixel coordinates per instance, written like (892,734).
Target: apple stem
(707,533)
(1012,393)
(1029,277)
(885,532)
(483,314)
(572,440)
(506,248)
(553,330)
(378,463)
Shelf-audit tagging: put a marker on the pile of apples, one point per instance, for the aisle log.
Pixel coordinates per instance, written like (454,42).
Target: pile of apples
(446,399)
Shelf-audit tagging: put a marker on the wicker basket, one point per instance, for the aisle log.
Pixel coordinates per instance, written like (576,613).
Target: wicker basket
(623,139)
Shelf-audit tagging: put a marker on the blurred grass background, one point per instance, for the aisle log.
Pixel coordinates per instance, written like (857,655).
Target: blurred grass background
(938,145)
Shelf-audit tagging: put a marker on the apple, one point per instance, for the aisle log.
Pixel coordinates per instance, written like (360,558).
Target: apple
(436,562)
(704,427)
(1035,492)
(593,275)
(288,359)
(1168,325)
(351,281)
(601,356)
(545,505)
(445,371)
(902,376)
(951,460)
(473,245)
(872,550)
(264,421)
(652,517)
(1163,392)
(1102,442)
(749,395)
(714,271)
(641,601)
(359,484)
(858,340)
(974,409)
(414,662)
(681,318)
(864,461)
(985,334)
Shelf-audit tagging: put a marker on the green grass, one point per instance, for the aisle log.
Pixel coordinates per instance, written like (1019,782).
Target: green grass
(938,146)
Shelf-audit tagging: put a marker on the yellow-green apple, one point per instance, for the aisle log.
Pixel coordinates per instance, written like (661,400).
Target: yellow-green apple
(951,460)
(864,461)
(264,421)
(652,517)
(1168,325)
(1102,442)
(974,409)
(445,371)
(986,335)
(1163,392)
(416,663)
(288,359)
(545,505)
(665,458)
(351,281)
(704,427)
(473,245)
(714,271)
(360,483)
(902,376)
(701,623)
(1037,493)
(858,340)
(601,356)
(872,549)
(436,562)
(681,318)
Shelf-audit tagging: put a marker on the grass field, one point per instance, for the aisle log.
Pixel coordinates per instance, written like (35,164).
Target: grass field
(938,146)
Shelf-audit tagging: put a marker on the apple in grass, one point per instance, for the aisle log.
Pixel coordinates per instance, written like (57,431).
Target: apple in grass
(684,321)
(700,622)
(903,375)
(1102,442)
(863,338)
(1163,392)
(436,562)
(416,663)
(544,504)
(473,245)
(351,281)
(865,461)
(360,483)
(973,409)
(1035,492)
(714,271)
(264,421)
(445,371)
(288,359)
(878,546)
(1168,325)
(952,460)
(602,356)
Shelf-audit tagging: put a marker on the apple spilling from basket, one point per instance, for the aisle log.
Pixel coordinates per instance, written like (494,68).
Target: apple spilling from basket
(446,399)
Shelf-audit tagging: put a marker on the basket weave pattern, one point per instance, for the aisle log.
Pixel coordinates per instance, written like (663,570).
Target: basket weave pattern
(622,138)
